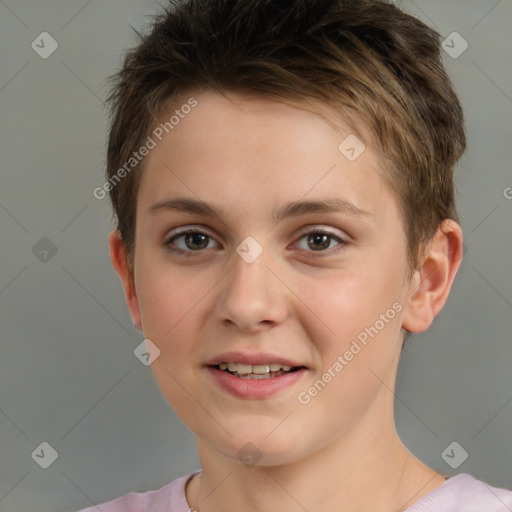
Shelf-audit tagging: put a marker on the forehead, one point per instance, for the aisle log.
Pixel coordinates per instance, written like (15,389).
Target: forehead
(255,150)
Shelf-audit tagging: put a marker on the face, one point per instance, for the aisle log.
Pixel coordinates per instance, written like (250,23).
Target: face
(260,283)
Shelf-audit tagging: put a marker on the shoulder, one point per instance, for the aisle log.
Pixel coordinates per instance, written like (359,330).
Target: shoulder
(464,493)
(169,498)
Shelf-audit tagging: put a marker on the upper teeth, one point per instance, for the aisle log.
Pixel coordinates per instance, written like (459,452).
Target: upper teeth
(245,369)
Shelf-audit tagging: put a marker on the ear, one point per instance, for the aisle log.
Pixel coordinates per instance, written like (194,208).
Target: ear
(432,281)
(121,266)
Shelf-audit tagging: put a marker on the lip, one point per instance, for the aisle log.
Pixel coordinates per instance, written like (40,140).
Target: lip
(253,389)
(253,359)
(250,389)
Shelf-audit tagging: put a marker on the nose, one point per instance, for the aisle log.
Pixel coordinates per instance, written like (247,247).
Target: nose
(252,296)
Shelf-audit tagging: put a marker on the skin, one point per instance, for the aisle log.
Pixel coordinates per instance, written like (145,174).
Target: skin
(247,156)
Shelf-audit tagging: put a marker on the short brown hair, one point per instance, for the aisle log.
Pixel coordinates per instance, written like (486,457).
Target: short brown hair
(357,56)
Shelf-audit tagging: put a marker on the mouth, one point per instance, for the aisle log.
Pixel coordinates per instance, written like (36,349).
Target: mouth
(255,376)
(256,371)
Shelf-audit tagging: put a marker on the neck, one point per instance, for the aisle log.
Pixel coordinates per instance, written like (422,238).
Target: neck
(368,469)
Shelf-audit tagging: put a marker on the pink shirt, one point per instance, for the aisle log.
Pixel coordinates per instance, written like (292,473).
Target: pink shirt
(460,493)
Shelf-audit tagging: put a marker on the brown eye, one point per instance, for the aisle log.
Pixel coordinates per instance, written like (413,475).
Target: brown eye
(196,241)
(320,241)
(189,241)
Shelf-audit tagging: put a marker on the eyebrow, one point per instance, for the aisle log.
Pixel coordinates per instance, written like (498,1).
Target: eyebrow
(292,209)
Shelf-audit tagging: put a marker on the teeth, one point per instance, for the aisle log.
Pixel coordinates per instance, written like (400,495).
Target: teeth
(253,376)
(257,369)
(243,369)
(260,369)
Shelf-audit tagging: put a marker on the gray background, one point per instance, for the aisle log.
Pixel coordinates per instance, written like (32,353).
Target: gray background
(68,375)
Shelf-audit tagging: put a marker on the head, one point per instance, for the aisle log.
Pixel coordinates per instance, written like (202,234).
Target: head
(246,106)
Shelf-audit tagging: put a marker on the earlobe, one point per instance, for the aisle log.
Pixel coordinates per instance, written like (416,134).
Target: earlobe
(432,281)
(120,264)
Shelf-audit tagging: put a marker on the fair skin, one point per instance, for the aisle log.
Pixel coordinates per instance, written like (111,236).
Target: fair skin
(303,299)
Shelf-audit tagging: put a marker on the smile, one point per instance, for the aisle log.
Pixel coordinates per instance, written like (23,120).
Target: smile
(255,386)
(257,371)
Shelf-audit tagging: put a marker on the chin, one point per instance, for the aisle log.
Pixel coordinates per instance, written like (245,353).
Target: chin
(261,448)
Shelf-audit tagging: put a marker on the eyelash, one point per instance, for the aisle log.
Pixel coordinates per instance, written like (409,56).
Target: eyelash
(316,231)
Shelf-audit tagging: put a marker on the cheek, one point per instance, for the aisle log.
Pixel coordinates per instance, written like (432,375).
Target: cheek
(167,296)
(169,306)
(356,334)
(354,364)
(347,302)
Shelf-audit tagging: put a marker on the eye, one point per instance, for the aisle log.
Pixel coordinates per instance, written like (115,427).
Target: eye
(193,240)
(320,240)
(189,241)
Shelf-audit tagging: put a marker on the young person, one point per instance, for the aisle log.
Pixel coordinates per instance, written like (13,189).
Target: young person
(282,178)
